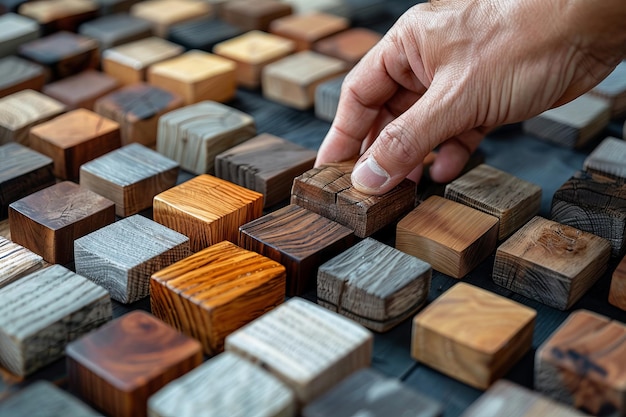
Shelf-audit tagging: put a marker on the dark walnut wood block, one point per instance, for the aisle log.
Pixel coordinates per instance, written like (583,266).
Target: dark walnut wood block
(266,164)
(327,98)
(350,45)
(122,256)
(14,31)
(117,29)
(81,90)
(254,14)
(207,209)
(130,177)
(581,364)
(17,74)
(163,14)
(216,291)
(306,346)
(42,312)
(617,293)
(60,15)
(308,28)
(608,159)
(47,222)
(119,366)
(613,90)
(226,385)
(203,34)
(16,261)
(299,239)
(550,262)
(472,335)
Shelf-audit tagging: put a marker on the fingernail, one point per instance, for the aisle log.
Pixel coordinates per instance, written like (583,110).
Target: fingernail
(369,176)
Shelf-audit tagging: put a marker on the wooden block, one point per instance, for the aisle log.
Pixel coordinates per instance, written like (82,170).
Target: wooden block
(306,346)
(196,76)
(252,52)
(378,295)
(11,5)
(195,134)
(165,13)
(297,238)
(581,364)
(48,221)
(42,312)
(331,7)
(4,229)
(22,172)
(266,164)
(214,292)
(207,209)
(117,29)
(488,335)
(203,34)
(450,236)
(327,98)
(115,6)
(308,28)
(350,45)
(608,159)
(60,15)
(16,261)
(119,366)
(292,80)
(17,74)
(368,393)
(225,385)
(129,62)
(366,13)
(137,108)
(14,31)
(130,177)
(550,262)
(254,14)
(81,90)
(617,293)
(593,203)
(613,90)
(74,138)
(511,199)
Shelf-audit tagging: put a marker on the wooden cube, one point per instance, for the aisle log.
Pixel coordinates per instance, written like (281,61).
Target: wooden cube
(613,90)
(41,312)
(115,6)
(137,108)
(207,209)
(196,76)
(608,159)
(306,346)
(165,13)
(203,34)
(299,239)
(581,364)
(81,90)
(17,74)
(488,335)
(16,261)
(550,262)
(48,221)
(254,14)
(214,292)
(195,134)
(327,98)
(14,31)
(117,29)
(60,15)
(350,45)
(617,293)
(119,366)
(74,138)
(308,28)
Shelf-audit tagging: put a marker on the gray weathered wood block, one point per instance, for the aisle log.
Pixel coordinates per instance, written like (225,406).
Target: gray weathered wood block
(327,98)
(608,158)
(14,31)
(16,261)
(613,90)
(117,29)
(44,399)
(17,74)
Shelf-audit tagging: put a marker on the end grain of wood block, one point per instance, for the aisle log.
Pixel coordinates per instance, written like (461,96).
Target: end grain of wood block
(254,14)
(617,293)
(16,261)
(118,29)
(119,366)
(17,74)
(308,28)
(613,90)
(608,159)
(81,90)
(327,98)
(14,31)
(60,15)
(350,45)
(165,13)
(472,335)
(203,34)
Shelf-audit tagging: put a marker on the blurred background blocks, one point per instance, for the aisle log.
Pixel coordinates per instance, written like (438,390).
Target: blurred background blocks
(16,261)
(254,14)
(115,6)
(17,74)
(81,90)
(307,28)
(608,159)
(165,13)
(116,29)
(59,15)
(202,34)
(613,90)
(350,45)
(14,31)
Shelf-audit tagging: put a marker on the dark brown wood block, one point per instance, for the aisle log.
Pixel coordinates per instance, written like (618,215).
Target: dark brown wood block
(608,159)
(116,29)
(254,14)
(163,14)
(17,74)
(48,221)
(81,90)
(119,366)
(14,31)
(617,293)
(308,28)
(299,239)
(350,45)
(60,15)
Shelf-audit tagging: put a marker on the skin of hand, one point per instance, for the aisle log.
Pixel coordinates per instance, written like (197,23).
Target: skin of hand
(449,71)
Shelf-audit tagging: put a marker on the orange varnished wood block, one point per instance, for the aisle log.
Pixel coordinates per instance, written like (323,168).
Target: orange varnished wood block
(617,294)
(308,28)
(165,13)
(81,90)
(350,45)
(254,14)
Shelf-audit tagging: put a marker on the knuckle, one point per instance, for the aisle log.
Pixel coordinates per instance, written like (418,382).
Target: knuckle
(400,145)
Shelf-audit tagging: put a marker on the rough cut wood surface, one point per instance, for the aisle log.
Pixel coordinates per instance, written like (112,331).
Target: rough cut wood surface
(81,90)
(17,74)
(608,158)
(617,293)
(14,31)
(117,29)
(350,45)
(254,14)
(307,28)
(16,261)
(165,13)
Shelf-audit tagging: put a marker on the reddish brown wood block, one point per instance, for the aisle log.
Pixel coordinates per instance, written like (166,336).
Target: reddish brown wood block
(308,28)
(254,14)
(17,74)
(350,45)
(81,90)
(617,294)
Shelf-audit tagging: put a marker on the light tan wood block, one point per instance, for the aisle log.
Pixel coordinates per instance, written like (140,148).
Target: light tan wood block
(307,28)
(472,335)
(617,293)
(16,261)
(56,15)
(165,13)
(608,159)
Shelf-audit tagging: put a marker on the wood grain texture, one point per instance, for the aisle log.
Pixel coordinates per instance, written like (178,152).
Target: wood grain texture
(613,90)
(214,292)
(117,29)
(119,366)
(254,14)
(17,74)
(5,230)
(617,292)
(374,284)
(81,90)
(472,335)
(512,200)
(327,98)
(299,239)
(60,15)
(350,45)
(307,28)
(122,256)
(581,365)
(42,312)
(130,177)
(306,346)
(551,263)
(202,34)
(165,13)
(16,261)
(47,222)
(195,134)
(225,385)
(14,31)
(450,236)
(207,209)
(608,159)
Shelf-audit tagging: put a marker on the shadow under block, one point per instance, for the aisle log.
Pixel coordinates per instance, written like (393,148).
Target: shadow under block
(374,284)
(307,28)
(122,256)
(226,385)
(117,29)
(196,76)
(41,312)
(550,262)
(165,13)
(617,293)
(17,74)
(595,204)
(613,90)
(14,31)
(60,15)
(119,366)
(207,209)
(254,14)
(368,393)
(73,139)
(81,90)
(16,261)
(292,80)
(327,190)
(47,222)
(216,291)
(130,177)
(327,98)
(350,45)
(195,134)
(582,364)
(299,239)
(266,164)
(203,34)
(472,335)
(306,346)
(608,159)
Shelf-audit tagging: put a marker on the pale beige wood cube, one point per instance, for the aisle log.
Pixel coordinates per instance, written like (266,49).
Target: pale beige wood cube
(165,13)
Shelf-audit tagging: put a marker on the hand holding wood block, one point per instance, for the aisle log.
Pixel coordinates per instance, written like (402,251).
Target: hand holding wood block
(165,13)
(16,261)
(81,90)
(608,159)
(17,74)
(308,28)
